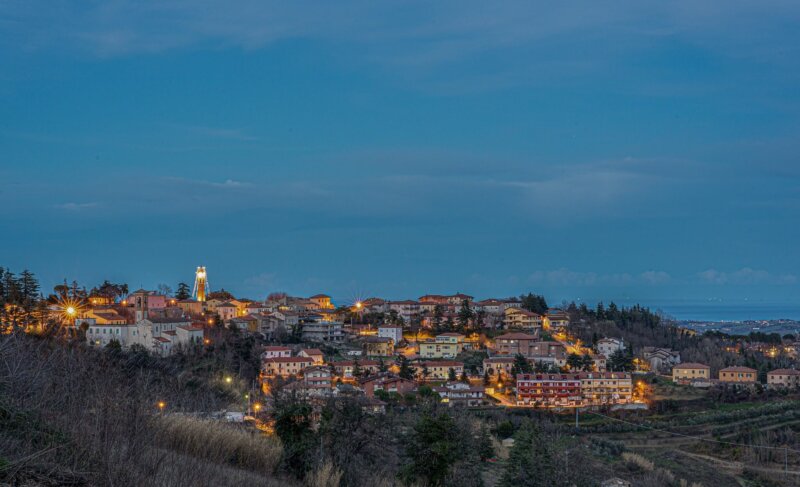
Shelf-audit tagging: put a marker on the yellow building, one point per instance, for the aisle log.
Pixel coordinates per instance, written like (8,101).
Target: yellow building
(522,319)
(555,320)
(599,388)
(446,345)
(439,369)
(190,306)
(690,371)
(105,316)
(738,375)
(322,301)
(379,346)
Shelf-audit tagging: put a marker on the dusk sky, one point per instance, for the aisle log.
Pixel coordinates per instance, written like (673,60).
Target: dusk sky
(631,150)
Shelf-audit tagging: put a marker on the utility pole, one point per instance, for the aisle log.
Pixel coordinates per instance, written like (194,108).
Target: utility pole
(576,418)
(785,460)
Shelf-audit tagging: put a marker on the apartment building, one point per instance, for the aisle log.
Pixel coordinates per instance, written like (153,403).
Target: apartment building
(314,354)
(498,366)
(389,383)
(459,394)
(321,331)
(395,332)
(446,345)
(378,346)
(689,371)
(515,343)
(285,366)
(275,352)
(549,390)
(522,319)
(439,369)
(605,388)
(784,378)
(738,375)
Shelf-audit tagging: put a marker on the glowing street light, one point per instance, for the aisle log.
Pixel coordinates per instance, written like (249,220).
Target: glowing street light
(256,407)
(71,310)
(161,405)
(228,379)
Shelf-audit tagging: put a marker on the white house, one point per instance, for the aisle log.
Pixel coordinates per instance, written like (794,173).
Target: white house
(607,346)
(394,332)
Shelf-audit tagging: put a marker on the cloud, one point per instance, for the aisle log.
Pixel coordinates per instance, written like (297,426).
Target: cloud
(655,277)
(227,184)
(76,206)
(435,42)
(266,281)
(564,277)
(745,276)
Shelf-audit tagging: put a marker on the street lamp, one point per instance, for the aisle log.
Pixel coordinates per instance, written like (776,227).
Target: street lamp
(161,405)
(228,379)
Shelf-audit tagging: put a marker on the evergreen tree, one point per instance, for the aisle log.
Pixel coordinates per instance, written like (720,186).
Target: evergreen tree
(574,361)
(620,361)
(464,378)
(406,371)
(183,292)
(535,303)
(486,378)
(485,445)
(448,324)
(432,448)
(588,362)
(382,367)
(465,315)
(438,313)
(28,287)
(356,369)
(520,366)
(451,374)
(2,286)
(293,427)
(531,461)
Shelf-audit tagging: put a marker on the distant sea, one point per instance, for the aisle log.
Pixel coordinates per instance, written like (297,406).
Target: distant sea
(720,310)
(727,311)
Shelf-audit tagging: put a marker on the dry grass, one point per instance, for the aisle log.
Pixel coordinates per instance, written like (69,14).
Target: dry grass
(327,475)
(638,461)
(219,442)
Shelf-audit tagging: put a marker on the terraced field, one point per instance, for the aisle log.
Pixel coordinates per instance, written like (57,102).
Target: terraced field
(729,442)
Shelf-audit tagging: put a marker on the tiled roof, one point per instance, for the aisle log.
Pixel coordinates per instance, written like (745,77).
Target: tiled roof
(738,369)
(691,365)
(516,336)
(288,360)
(784,372)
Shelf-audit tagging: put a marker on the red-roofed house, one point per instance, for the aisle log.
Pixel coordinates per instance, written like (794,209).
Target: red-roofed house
(314,354)
(285,366)
(784,378)
(276,351)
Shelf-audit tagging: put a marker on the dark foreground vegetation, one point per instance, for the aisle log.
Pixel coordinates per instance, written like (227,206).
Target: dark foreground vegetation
(74,416)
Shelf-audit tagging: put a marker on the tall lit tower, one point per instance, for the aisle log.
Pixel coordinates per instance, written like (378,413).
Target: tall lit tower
(200,284)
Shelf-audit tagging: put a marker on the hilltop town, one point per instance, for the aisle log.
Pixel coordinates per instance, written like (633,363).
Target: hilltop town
(487,356)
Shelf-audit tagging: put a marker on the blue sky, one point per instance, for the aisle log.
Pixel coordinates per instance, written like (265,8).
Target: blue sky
(640,150)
